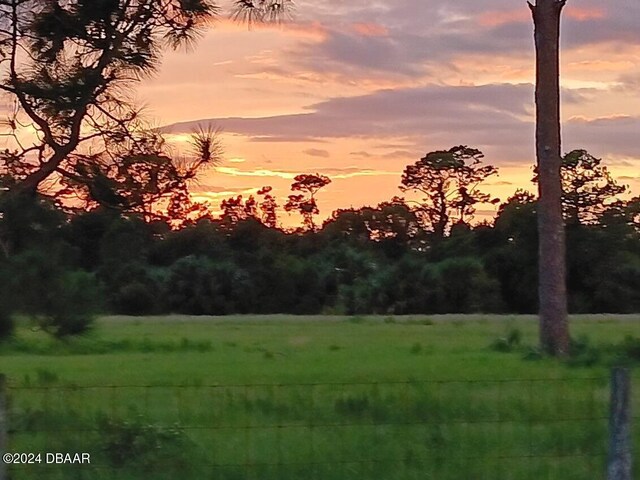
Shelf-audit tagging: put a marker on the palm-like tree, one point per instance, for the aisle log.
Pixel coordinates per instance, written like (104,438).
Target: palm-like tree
(64,65)
(258,11)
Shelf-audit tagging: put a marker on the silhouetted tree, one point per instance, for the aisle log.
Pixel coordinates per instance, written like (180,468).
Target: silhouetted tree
(39,275)
(587,187)
(268,206)
(257,11)
(305,202)
(28,223)
(449,181)
(632,212)
(512,257)
(393,220)
(66,64)
(391,225)
(552,290)
(347,223)
(235,209)
(181,210)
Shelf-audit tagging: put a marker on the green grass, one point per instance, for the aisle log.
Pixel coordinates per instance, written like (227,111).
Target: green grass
(183,350)
(317,397)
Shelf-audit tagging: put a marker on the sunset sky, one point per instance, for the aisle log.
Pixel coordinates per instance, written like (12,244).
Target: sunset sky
(357,90)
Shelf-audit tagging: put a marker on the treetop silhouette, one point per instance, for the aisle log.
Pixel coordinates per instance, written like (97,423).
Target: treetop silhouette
(66,67)
(449,181)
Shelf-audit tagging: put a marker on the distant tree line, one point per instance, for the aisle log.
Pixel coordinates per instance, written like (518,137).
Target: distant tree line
(399,257)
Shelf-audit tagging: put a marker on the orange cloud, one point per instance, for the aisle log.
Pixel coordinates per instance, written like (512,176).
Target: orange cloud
(584,14)
(370,29)
(498,18)
(314,30)
(600,118)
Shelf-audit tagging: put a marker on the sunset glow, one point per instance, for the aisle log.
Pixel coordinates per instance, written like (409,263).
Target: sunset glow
(358,90)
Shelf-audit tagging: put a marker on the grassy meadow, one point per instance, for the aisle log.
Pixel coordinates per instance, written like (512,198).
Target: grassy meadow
(281,397)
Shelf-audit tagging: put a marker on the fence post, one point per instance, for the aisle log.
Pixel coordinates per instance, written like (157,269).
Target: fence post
(4,421)
(620,453)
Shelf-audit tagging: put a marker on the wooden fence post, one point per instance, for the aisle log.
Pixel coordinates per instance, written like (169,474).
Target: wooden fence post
(4,421)
(620,453)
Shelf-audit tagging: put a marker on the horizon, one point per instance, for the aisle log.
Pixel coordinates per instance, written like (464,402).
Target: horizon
(358,92)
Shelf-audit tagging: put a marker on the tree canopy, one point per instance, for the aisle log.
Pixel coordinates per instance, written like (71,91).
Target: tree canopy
(305,203)
(449,181)
(66,67)
(587,187)
(60,267)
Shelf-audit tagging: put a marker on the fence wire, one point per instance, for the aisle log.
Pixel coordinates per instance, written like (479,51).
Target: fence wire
(505,429)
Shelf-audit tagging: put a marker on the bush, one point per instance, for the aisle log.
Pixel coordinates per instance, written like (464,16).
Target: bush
(467,288)
(629,349)
(509,342)
(71,305)
(618,289)
(142,445)
(583,353)
(135,298)
(198,286)
(61,301)
(133,288)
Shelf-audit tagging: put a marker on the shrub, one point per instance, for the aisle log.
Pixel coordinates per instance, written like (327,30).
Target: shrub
(71,305)
(501,345)
(62,301)
(135,298)
(133,288)
(583,353)
(143,445)
(509,342)
(198,286)
(467,288)
(629,349)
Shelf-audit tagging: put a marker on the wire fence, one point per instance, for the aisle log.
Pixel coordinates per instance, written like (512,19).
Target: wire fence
(504,429)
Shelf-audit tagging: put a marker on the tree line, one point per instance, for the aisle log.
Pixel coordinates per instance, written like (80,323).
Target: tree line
(401,256)
(64,66)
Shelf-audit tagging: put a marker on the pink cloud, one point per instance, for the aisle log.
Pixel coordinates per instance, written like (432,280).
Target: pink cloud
(306,29)
(521,15)
(584,14)
(370,29)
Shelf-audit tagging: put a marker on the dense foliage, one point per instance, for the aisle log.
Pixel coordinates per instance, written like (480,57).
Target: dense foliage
(370,260)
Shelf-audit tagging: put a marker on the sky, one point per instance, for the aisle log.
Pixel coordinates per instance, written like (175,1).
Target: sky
(357,90)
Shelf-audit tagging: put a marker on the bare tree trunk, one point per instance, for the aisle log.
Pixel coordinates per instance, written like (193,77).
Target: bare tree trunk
(552,290)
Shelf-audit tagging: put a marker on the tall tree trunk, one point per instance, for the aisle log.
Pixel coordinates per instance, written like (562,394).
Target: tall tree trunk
(552,290)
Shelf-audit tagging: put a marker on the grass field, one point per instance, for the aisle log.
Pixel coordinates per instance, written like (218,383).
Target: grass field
(311,397)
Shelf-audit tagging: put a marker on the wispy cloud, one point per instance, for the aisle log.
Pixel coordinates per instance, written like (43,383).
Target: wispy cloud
(357,89)
(334,173)
(370,29)
(317,152)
